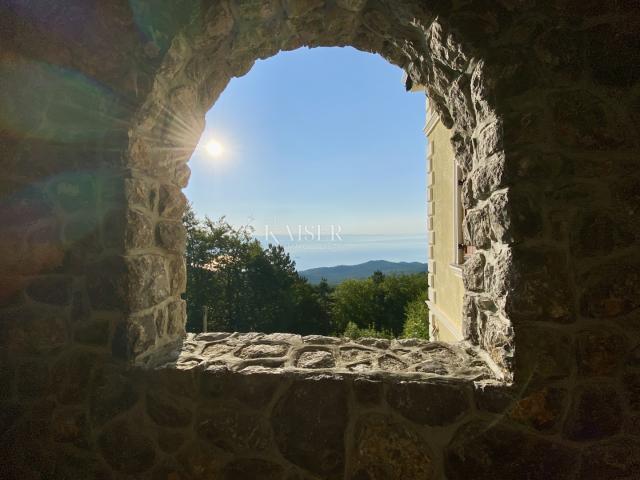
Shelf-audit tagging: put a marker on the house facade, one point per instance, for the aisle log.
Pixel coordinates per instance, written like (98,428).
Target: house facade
(444,224)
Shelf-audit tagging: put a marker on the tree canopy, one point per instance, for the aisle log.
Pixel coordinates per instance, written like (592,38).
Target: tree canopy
(244,286)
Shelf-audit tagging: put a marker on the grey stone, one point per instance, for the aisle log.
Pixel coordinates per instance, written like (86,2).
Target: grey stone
(368,391)
(473,272)
(254,468)
(477,227)
(171,202)
(139,231)
(460,104)
(53,290)
(321,340)
(171,236)
(166,410)
(259,350)
(313,442)
(140,193)
(598,353)
(488,451)
(177,270)
(352,5)
(489,141)
(384,449)
(614,290)
(545,354)
(617,459)
(316,359)
(374,342)
(111,394)
(487,176)
(429,403)
(148,281)
(391,363)
(233,431)
(595,413)
(126,449)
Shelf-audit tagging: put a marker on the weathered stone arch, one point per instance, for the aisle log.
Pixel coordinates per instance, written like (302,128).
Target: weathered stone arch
(225,42)
(90,195)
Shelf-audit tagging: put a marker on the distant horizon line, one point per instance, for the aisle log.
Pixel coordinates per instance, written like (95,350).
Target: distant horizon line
(342,234)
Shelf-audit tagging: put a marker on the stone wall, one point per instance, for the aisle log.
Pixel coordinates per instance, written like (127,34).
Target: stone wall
(101,105)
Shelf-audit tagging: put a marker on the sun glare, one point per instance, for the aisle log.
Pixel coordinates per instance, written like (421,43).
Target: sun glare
(214,148)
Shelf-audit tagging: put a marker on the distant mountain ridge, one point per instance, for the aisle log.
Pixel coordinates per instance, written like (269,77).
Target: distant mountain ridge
(339,273)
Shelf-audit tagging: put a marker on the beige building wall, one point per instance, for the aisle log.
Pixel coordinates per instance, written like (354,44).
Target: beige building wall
(443,219)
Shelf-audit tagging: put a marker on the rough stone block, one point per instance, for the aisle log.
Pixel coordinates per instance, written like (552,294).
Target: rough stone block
(315,359)
(477,227)
(177,269)
(148,282)
(613,290)
(139,231)
(433,403)
(618,458)
(300,436)
(601,231)
(367,391)
(473,273)
(112,393)
(233,430)
(140,193)
(488,451)
(542,354)
(488,141)
(172,202)
(487,176)
(177,317)
(167,410)
(375,436)
(481,92)
(631,385)
(53,290)
(581,121)
(71,374)
(255,468)
(541,408)
(298,8)
(171,236)
(595,413)
(599,353)
(544,289)
(126,448)
(351,5)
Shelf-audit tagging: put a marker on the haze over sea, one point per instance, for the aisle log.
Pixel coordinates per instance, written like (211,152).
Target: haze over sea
(350,249)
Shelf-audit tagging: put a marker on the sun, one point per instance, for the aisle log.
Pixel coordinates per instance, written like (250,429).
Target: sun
(214,148)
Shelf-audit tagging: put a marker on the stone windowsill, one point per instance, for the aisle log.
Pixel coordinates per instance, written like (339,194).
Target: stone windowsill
(406,359)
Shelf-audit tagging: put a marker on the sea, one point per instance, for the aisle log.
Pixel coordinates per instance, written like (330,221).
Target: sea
(329,251)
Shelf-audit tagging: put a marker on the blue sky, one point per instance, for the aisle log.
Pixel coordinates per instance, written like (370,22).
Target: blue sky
(324,136)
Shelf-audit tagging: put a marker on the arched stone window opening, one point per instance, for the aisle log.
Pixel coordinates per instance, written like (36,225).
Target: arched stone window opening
(225,44)
(332,171)
(543,102)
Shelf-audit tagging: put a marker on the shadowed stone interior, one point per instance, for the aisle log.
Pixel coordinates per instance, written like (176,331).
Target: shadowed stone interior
(101,106)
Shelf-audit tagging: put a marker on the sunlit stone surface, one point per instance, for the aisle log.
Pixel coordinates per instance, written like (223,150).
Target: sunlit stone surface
(286,353)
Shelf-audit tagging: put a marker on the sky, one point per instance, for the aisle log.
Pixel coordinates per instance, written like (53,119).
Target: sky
(324,136)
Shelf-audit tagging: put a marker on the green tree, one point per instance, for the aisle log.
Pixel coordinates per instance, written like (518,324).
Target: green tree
(353,301)
(377,302)
(245,287)
(416,323)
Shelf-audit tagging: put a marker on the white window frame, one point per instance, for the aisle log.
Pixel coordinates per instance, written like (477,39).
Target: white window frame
(457,254)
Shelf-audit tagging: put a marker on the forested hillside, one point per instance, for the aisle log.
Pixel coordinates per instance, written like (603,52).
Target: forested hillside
(340,273)
(245,287)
